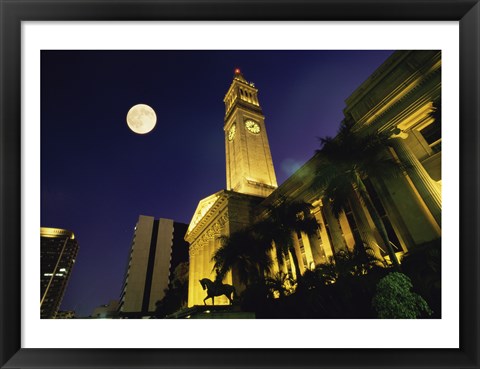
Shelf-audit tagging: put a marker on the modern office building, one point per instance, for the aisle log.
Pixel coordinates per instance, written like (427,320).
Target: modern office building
(158,246)
(401,98)
(58,250)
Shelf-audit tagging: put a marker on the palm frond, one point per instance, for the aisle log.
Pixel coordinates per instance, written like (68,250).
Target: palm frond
(245,253)
(348,159)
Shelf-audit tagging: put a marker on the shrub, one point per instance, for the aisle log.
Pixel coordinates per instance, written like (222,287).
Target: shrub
(394,299)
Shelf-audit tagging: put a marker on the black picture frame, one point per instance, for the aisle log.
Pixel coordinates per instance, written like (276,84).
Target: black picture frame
(467,12)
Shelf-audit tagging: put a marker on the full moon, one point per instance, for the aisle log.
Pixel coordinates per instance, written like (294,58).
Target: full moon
(141,119)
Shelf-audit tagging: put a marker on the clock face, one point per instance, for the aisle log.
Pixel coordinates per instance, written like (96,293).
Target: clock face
(252,126)
(231,133)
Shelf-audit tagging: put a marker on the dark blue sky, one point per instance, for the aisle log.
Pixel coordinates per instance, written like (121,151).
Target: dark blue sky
(97,176)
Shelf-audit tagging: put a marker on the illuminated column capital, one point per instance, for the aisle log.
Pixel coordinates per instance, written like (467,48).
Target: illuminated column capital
(426,187)
(399,133)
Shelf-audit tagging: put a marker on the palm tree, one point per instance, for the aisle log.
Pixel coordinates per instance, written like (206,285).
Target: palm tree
(248,250)
(281,283)
(356,262)
(348,159)
(283,220)
(244,253)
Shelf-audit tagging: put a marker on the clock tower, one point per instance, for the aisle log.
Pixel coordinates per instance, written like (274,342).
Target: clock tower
(248,158)
(250,178)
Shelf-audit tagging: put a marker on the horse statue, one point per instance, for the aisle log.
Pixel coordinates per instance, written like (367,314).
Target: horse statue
(217,289)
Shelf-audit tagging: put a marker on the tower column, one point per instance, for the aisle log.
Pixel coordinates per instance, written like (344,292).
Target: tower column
(426,187)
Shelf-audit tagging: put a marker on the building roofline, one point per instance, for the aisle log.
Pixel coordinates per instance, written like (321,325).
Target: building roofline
(56,233)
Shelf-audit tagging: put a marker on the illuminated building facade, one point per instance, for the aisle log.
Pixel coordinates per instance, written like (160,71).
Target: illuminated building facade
(58,250)
(157,248)
(402,97)
(250,178)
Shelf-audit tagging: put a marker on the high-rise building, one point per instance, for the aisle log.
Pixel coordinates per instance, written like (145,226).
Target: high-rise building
(157,248)
(58,250)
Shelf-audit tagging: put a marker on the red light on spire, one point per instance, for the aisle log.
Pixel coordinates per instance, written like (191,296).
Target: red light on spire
(237,70)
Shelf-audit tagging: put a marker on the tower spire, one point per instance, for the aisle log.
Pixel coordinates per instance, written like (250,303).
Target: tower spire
(239,76)
(241,92)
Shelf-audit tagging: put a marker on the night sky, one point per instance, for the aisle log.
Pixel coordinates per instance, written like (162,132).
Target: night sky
(97,176)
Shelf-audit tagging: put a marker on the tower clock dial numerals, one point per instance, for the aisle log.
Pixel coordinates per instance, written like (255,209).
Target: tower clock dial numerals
(231,133)
(252,126)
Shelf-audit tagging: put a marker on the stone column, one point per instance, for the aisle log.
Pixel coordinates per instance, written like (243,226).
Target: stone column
(346,230)
(364,226)
(314,244)
(308,251)
(426,187)
(298,253)
(204,260)
(335,230)
(292,265)
(212,273)
(324,241)
(191,278)
(275,266)
(199,272)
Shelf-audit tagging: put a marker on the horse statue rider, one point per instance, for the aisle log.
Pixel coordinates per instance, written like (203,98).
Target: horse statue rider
(217,288)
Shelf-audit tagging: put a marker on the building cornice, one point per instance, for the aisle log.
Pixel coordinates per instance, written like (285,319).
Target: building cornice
(197,225)
(56,233)
(246,107)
